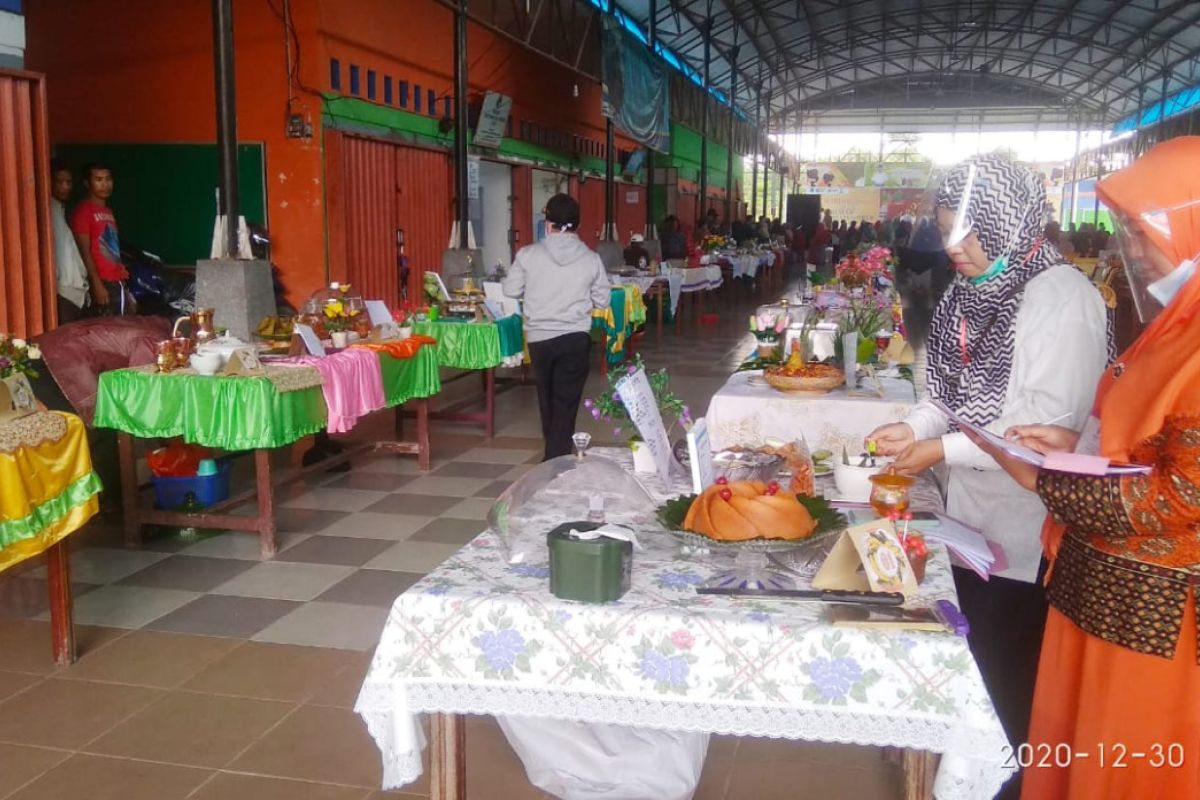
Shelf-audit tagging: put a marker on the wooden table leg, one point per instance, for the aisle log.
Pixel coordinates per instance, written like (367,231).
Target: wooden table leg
(659,325)
(447,757)
(129,491)
(266,503)
(920,768)
(604,354)
(58,579)
(489,395)
(683,301)
(424,454)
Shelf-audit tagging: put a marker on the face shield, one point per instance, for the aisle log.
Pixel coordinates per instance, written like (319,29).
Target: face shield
(1149,248)
(943,218)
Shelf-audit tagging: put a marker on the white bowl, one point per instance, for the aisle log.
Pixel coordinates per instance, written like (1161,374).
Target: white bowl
(205,363)
(854,482)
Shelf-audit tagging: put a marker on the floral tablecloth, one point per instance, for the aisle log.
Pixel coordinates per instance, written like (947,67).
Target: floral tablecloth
(746,411)
(481,636)
(47,487)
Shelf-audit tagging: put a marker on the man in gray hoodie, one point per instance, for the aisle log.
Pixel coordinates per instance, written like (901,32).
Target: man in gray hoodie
(561,281)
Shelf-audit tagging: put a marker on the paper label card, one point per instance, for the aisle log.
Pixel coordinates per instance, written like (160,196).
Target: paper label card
(16,397)
(700,456)
(384,331)
(378,313)
(310,340)
(244,361)
(638,397)
(868,557)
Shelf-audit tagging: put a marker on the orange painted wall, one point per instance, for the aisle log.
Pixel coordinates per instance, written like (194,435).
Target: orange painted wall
(141,71)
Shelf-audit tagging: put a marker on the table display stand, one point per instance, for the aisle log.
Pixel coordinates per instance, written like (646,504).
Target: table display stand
(448,762)
(263,523)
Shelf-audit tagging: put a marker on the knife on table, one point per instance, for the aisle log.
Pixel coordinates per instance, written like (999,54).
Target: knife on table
(818,595)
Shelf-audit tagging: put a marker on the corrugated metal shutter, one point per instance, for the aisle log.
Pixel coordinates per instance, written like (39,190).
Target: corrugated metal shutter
(385,188)
(27,284)
(591,210)
(425,209)
(631,217)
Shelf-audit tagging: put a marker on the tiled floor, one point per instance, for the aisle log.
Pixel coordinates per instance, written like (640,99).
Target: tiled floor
(209,674)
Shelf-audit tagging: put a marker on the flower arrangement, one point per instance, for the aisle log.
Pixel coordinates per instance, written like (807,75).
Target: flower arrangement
(768,327)
(17,357)
(404,316)
(337,316)
(861,267)
(712,243)
(608,407)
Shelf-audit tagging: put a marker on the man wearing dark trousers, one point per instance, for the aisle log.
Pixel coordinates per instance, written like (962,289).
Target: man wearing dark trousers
(561,282)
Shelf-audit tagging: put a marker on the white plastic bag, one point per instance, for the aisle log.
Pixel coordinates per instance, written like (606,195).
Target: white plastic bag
(580,761)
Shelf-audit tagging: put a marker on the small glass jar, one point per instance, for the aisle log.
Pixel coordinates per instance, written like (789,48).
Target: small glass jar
(889,493)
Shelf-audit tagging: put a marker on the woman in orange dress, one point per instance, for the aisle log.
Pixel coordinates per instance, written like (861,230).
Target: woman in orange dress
(1116,712)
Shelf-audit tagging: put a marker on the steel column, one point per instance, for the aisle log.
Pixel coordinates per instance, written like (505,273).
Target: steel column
(732,127)
(704,121)
(651,220)
(462,201)
(610,145)
(227,157)
(757,142)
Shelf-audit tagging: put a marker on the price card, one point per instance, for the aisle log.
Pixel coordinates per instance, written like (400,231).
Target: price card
(377,310)
(638,397)
(700,456)
(309,337)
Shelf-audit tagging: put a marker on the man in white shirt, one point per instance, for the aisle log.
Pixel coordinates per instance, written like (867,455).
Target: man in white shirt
(70,272)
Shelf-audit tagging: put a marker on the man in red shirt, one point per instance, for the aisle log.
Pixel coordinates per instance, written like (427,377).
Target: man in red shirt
(95,230)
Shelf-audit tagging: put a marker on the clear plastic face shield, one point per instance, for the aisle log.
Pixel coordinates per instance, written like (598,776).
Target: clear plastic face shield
(1146,243)
(937,226)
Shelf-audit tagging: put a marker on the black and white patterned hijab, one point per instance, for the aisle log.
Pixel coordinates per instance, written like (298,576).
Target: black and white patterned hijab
(1008,211)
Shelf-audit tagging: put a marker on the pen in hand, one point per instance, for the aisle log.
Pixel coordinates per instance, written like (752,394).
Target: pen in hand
(1059,418)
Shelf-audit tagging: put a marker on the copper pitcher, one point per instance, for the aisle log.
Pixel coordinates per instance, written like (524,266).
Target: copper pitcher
(201,321)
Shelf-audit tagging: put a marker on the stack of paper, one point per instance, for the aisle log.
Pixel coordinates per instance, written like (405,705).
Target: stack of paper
(961,540)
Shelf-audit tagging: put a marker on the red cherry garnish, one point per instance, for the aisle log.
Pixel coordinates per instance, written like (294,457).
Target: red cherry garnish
(726,494)
(721,481)
(773,487)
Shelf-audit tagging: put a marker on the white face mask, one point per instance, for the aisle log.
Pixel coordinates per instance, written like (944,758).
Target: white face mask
(1165,288)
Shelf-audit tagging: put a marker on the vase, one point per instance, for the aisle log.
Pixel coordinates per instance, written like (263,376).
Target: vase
(340,339)
(768,348)
(406,332)
(643,459)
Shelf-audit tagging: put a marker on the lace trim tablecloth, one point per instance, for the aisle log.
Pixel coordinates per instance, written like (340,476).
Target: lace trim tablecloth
(746,411)
(479,635)
(31,430)
(290,378)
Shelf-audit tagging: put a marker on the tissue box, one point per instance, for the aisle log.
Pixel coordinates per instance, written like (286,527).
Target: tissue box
(588,570)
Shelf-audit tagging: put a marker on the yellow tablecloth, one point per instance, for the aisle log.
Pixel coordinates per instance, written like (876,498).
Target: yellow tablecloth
(47,491)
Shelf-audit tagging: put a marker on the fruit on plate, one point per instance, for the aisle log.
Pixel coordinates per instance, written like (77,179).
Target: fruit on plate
(797,375)
(740,510)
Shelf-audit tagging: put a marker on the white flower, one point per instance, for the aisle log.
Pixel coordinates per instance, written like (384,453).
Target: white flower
(20,344)
(35,353)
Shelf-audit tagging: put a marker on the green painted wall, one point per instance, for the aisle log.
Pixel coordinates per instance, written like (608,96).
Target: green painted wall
(163,193)
(422,129)
(685,156)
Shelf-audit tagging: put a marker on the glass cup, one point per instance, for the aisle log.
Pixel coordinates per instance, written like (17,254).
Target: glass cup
(889,493)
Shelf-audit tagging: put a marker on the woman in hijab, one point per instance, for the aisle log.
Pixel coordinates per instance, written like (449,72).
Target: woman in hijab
(1019,337)
(1118,678)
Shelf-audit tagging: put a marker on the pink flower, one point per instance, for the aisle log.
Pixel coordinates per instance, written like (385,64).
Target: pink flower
(682,639)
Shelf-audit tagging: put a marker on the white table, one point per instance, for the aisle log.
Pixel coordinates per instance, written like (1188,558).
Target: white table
(746,412)
(480,636)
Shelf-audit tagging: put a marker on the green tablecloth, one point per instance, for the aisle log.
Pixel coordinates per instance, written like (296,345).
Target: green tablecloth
(475,345)
(407,379)
(626,314)
(239,413)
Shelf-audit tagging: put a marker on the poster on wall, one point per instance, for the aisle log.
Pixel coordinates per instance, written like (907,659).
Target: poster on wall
(834,177)
(852,204)
(493,120)
(636,88)
(473,177)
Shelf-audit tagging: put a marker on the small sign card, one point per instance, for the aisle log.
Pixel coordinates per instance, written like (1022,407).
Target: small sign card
(638,397)
(16,397)
(868,557)
(700,456)
(378,312)
(311,342)
(245,361)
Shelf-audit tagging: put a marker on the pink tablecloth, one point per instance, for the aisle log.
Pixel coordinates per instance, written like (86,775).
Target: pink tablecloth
(353,385)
